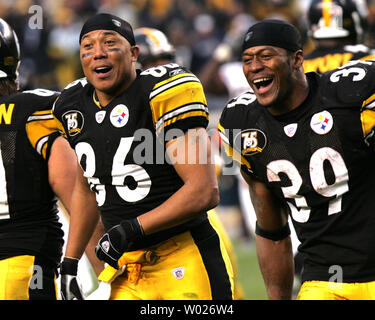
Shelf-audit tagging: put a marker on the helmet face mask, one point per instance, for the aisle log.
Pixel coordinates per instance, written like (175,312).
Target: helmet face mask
(153,45)
(9,52)
(331,19)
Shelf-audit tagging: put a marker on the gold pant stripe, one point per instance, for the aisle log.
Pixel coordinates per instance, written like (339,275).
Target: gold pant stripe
(25,277)
(325,290)
(15,276)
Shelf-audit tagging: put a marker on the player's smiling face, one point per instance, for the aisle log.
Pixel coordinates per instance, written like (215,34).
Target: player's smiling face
(268,72)
(107,59)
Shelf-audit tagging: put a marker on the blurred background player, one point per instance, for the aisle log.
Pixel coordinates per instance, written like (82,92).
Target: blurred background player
(222,74)
(155,48)
(338,29)
(35,165)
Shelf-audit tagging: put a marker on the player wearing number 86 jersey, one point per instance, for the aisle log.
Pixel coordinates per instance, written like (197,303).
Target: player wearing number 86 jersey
(153,207)
(313,161)
(126,129)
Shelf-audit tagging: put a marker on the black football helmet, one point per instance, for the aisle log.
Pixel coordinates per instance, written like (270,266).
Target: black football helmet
(153,45)
(329,19)
(9,52)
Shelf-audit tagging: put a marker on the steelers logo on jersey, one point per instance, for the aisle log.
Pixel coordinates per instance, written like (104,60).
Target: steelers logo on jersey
(250,141)
(119,115)
(321,122)
(73,121)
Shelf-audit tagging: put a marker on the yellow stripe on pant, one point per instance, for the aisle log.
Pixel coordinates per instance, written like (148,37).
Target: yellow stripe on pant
(325,290)
(15,276)
(172,270)
(16,279)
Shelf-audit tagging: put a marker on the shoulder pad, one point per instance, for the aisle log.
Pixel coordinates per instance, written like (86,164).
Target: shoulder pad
(156,75)
(79,83)
(351,83)
(41,92)
(164,71)
(176,98)
(238,110)
(357,48)
(70,94)
(244,99)
(37,99)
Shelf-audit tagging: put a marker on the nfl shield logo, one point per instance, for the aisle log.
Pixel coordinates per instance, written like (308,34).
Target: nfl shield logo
(105,246)
(178,273)
(290,129)
(99,116)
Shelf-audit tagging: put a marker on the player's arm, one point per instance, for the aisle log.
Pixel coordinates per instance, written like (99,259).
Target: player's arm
(84,217)
(62,170)
(199,192)
(273,243)
(96,264)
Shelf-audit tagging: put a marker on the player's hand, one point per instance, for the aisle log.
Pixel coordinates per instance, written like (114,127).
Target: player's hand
(70,287)
(118,240)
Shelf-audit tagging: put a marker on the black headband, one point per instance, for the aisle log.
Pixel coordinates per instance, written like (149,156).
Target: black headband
(106,21)
(273,32)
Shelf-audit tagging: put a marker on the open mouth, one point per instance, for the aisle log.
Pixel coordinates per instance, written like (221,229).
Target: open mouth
(102,70)
(262,84)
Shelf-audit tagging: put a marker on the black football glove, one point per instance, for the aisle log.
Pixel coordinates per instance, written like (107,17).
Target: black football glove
(118,240)
(70,287)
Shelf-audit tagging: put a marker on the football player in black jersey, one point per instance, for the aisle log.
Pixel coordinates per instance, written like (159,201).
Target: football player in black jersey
(156,50)
(133,132)
(35,164)
(338,30)
(305,145)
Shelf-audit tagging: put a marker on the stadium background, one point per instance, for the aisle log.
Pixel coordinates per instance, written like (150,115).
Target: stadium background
(50,59)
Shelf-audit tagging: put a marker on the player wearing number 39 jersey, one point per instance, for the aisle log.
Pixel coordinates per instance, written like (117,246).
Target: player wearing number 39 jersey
(153,208)
(306,148)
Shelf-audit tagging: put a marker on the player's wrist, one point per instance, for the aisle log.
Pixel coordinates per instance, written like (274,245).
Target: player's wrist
(133,231)
(121,238)
(69,266)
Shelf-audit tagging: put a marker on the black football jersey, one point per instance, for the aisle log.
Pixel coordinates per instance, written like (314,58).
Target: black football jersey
(28,210)
(318,159)
(325,59)
(120,146)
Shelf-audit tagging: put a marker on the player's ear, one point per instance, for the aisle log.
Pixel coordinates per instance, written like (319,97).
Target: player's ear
(298,59)
(135,52)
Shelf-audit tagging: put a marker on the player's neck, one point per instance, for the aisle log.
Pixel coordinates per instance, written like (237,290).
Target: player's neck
(8,87)
(105,97)
(294,98)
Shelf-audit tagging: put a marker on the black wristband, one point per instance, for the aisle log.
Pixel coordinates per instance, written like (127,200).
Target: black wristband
(275,235)
(69,266)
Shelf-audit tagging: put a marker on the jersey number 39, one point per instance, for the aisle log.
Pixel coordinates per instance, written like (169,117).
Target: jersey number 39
(301,212)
